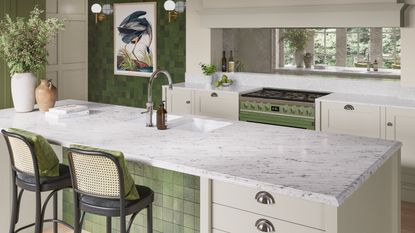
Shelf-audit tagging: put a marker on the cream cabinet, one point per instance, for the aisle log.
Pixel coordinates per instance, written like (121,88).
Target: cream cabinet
(350,118)
(236,208)
(220,104)
(400,126)
(180,101)
(384,122)
(217,104)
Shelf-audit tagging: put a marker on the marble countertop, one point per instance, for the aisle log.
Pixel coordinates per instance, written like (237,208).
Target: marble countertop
(306,164)
(385,101)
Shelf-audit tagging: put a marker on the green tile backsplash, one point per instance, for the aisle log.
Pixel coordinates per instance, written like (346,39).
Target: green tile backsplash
(175,209)
(105,87)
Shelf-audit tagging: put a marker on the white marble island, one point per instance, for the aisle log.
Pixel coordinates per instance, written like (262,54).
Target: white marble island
(335,175)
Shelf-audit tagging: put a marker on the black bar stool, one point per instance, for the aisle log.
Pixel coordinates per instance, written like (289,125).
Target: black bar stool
(98,183)
(25,175)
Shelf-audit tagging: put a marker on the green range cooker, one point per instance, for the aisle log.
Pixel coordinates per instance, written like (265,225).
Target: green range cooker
(290,108)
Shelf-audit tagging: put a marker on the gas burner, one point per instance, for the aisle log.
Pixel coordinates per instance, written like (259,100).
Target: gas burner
(289,95)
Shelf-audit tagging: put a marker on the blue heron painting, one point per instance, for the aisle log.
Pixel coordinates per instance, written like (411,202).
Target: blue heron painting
(135,43)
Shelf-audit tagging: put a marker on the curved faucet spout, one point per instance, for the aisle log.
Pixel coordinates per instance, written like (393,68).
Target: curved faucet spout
(152,78)
(150,94)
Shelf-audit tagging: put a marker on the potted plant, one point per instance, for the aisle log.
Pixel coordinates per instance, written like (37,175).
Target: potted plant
(208,70)
(297,40)
(23,47)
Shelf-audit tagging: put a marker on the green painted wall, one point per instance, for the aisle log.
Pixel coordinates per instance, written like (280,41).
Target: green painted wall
(132,91)
(20,8)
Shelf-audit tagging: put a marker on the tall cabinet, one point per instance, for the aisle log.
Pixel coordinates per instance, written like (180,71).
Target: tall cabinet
(377,121)
(400,126)
(68,54)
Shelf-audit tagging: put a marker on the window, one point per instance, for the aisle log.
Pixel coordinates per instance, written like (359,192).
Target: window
(351,47)
(325,46)
(391,43)
(358,44)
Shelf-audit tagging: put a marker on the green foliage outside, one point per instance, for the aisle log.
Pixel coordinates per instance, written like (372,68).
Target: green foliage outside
(23,41)
(358,47)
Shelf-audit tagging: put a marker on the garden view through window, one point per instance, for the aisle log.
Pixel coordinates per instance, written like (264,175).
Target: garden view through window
(346,47)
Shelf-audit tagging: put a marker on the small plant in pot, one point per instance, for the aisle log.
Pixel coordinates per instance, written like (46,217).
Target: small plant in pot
(297,40)
(23,47)
(208,70)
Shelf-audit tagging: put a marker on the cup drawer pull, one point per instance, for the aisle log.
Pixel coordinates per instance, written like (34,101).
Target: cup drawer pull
(188,102)
(214,94)
(264,225)
(265,198)
(349,107)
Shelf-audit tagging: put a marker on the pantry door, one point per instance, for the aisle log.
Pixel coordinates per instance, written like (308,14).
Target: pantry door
(68,53)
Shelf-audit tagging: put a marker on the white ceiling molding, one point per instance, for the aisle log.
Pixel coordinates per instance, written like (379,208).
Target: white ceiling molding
(288,13)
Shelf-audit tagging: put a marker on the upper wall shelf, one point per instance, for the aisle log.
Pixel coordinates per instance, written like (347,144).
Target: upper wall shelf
(318,13)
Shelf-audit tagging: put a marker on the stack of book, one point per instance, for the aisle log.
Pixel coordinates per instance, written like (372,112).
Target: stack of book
(67,111)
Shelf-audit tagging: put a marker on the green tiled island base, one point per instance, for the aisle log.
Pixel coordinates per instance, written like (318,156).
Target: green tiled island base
(175,208)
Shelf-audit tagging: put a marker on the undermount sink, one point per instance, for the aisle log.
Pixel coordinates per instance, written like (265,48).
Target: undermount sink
(199,125)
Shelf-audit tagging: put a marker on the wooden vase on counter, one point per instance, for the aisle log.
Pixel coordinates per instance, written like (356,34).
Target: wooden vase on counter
(46,95)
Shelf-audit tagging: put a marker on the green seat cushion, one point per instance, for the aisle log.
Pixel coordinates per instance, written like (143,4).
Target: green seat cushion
(48,162)
(130,190)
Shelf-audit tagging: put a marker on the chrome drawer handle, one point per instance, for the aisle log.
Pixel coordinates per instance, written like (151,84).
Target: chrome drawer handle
(390,124)
(214,94)
(188,102)
(265,198)
(348,107)
(264,225)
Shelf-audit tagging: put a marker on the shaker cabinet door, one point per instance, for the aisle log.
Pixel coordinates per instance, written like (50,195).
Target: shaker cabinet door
(400,126)
(179,101)
(217,104)
(354,119)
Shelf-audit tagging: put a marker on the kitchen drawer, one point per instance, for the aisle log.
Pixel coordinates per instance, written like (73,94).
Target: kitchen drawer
(217,104)
(286,208)
(238,221)
(355,119)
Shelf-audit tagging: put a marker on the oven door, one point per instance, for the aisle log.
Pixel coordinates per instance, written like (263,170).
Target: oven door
(278,119)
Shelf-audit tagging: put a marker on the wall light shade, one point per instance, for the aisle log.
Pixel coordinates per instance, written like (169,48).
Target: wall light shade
(180,6)
(107,9)
(96,8)
(169,5)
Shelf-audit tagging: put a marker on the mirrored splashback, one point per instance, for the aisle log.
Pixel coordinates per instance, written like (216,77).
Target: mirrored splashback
(330,50)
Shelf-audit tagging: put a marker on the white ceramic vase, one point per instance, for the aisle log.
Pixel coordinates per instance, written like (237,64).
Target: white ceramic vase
(23,91)
(208,80)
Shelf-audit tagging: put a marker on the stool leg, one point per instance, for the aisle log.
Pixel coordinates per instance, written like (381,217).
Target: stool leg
(109,225)
(77,214)
(55,212)
(150,219)
(39,221)
(13,219)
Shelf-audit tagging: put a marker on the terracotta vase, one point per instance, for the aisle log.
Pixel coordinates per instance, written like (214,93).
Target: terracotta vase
(46,95)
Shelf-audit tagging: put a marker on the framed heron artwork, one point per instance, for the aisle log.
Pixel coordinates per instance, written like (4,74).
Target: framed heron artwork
(135,39)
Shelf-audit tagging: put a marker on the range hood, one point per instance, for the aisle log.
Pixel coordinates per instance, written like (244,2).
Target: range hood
(301,13)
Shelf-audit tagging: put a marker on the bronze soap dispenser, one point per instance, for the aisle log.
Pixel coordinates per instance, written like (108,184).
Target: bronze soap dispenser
(161,117)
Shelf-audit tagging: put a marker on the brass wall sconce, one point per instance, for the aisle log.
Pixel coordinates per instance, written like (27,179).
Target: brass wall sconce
(174,9)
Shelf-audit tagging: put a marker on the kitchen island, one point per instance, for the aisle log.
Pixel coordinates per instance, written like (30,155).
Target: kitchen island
(310,181)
